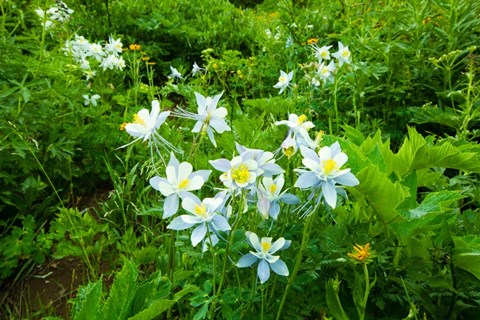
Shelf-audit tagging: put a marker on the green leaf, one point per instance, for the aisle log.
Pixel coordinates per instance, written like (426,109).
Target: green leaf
(466,254)
(432,114)
(333,301)
(434,202)
(86,305)
(188,289)
(156,309)
(383,194)
(119,302)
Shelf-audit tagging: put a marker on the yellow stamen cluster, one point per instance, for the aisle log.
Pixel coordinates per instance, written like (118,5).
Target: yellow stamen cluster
(290,151)
(329,166)
(312,41)
(361,253)
(282,79)
(122,126)
(240,174)
(266,246)
(201,210)
(302,119)
(183,184)
(273,188)
(138,120)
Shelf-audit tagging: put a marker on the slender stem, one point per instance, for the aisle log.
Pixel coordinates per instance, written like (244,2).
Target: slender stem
(171,256)
(298,262)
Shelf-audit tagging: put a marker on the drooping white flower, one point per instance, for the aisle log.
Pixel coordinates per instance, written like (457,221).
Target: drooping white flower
(180,181)
(343,54)
(298,130)
(90,100)
(204,215)
(196,69)
(175,73)
(283,81)
(146,124)
(209,118)
(269,193)
(323,171)
(326,72)
(265,160)
(264,250)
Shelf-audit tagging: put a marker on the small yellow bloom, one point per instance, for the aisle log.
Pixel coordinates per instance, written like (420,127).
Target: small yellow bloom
(312,41)
(122,126)
(361,253)
(135,47)
(145,58)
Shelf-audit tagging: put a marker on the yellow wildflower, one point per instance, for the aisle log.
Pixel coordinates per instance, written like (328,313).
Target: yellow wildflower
(135,47)
(312,41)
(361,253)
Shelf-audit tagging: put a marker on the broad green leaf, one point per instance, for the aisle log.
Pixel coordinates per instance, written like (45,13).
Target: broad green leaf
(432,114)
(466,254)
(86,305)
(434,202)
(119,302)
(188,289)
(156,309)
(383,194)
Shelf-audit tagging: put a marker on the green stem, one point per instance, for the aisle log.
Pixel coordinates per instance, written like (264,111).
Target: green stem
(298,262)
(367,291)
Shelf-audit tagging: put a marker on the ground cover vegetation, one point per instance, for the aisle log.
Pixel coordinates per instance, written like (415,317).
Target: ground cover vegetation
(194,159)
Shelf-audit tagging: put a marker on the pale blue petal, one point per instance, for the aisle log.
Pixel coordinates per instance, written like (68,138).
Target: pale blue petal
(198,234)
(202,173)
(179,224)
(246,261)
(211,136)
(286,245)
(271,169)
(274,210)
(173,161)
(280,268)
(170,207)
(289,198)
(254,241)
(263,206)
(330,194)
(221,164)
(309,153)
(263,271)
(277,245)
(220,223)
(307,180)
(347,179)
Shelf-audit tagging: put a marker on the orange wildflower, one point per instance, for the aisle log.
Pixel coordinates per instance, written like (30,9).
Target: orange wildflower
(312,41)
(135,47)
(361,253)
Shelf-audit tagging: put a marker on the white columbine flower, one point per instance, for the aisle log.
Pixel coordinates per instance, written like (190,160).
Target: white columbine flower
(90,100)
(283,81)
(265,160)
(325,72)
(175,73)
(322,53)
(113,46)
(270,193)
(209,118)
(299,128)
(323,171)
(343,55)
(204,214)
(196,69)
(145,126)
(95,50)
(179,182)
(238,173)
(264,252)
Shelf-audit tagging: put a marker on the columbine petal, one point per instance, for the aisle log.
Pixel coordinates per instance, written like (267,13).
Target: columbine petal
(202,173)
(246,261)
(271,169)
(170,207)
(198,234)
(219,125)
(220,223)
(184,171)
(307,180)
(328,191)
(179,224)
(280,268)
(190,203)
(263,271)
(277,245)
(221,164)
(274,210)
(263,206)
(347,179)
(289,198)
(211,136)
(253,240)
(173,162)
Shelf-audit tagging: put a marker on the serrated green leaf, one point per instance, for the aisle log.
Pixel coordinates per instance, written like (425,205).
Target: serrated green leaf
(435,203)
(155,309)
(86,305)
(119,302)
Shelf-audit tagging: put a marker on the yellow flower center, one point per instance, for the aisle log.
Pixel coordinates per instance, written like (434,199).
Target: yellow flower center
(345,53)
(290,151)
(282,79)
(266,246)
(138,120)
(324,54)
(240,174)
(302,119)
(329,166)
(183,184)
(201,210)
(273,188)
